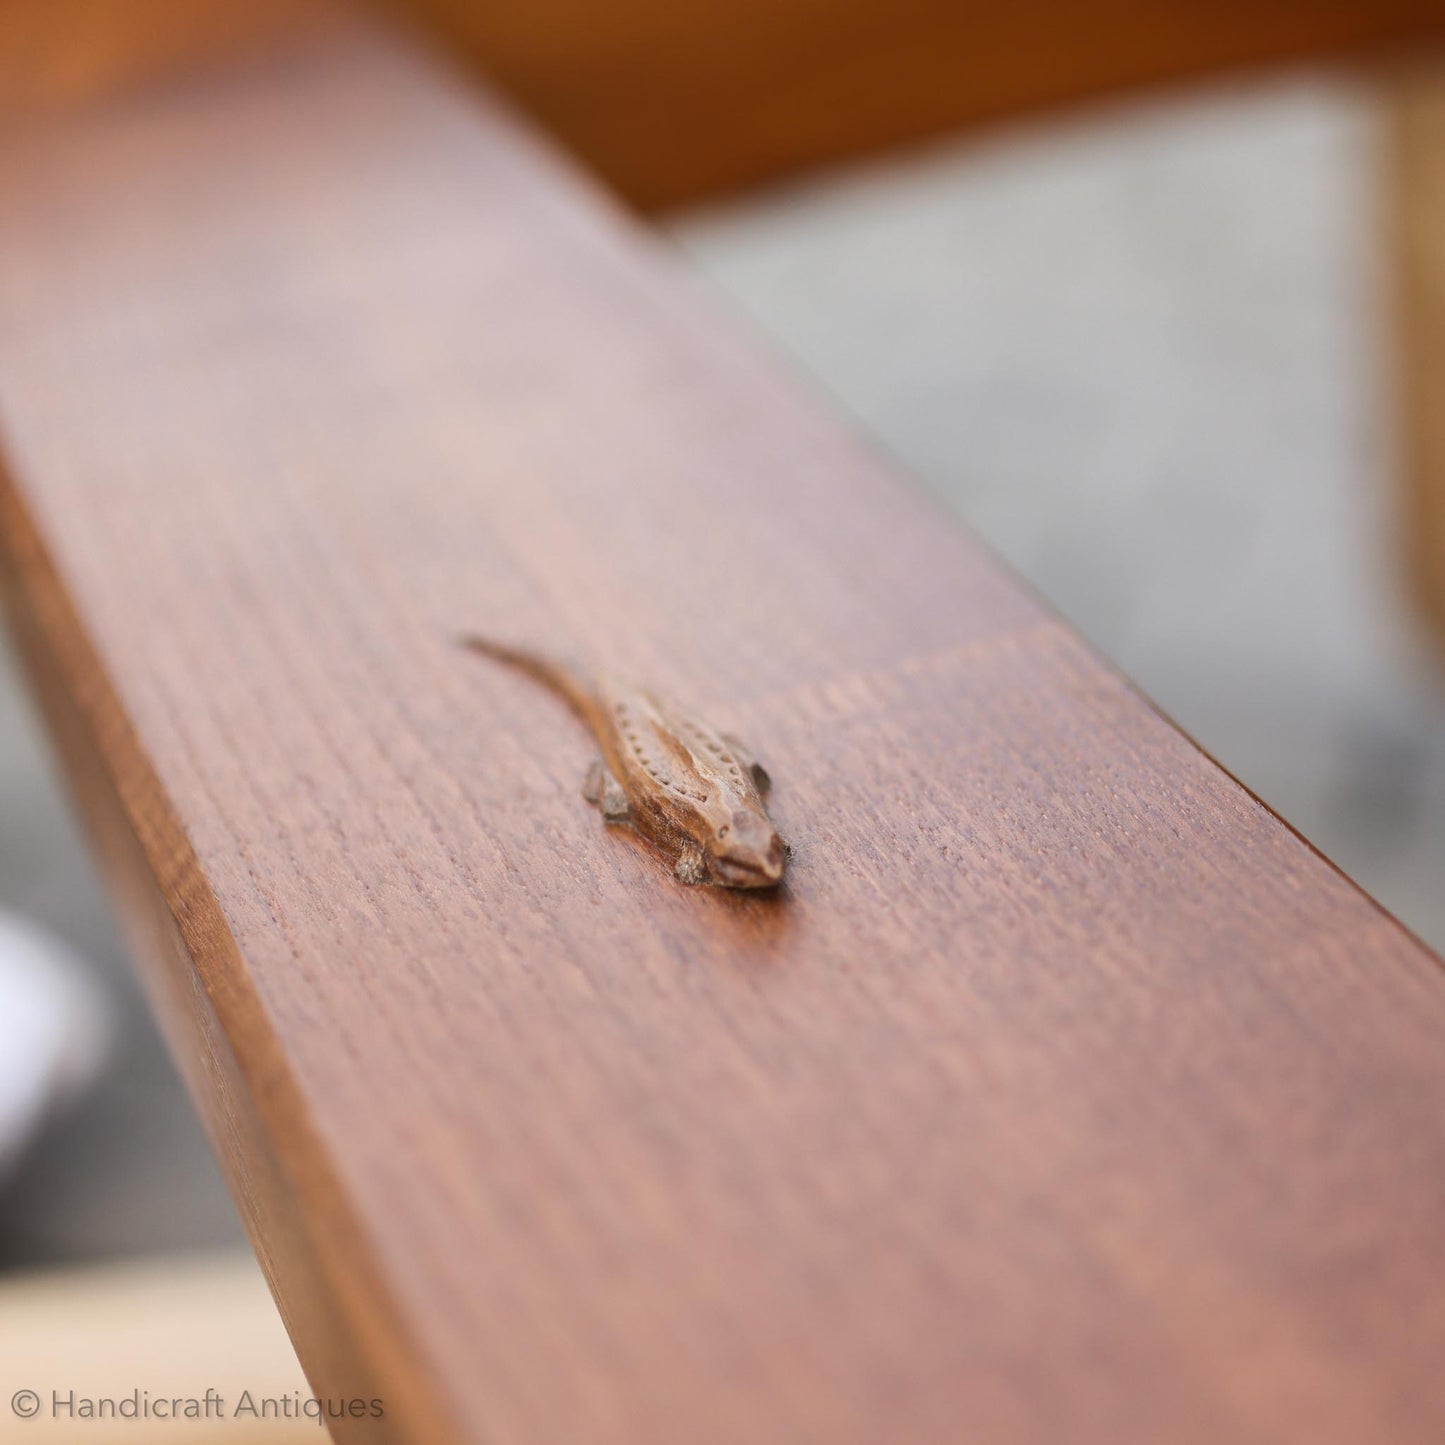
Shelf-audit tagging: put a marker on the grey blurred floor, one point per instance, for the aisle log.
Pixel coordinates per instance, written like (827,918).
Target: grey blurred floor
(128,1170)
(1139,353)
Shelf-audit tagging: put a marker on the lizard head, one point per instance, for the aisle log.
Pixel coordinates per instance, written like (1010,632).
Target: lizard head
(746,852)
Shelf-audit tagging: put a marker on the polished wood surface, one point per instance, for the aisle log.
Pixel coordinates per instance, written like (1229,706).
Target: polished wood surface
(1063,1095)
(679,100)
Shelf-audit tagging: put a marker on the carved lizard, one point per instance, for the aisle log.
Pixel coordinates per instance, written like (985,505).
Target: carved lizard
(694,793)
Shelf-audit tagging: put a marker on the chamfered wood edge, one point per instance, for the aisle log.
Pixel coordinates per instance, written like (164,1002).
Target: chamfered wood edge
(336,1306)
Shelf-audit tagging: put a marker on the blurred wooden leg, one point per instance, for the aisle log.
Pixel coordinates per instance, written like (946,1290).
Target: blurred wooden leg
(1417,199)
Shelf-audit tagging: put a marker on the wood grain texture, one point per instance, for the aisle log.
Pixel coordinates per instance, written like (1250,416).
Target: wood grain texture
(1063,1095)
(1415,193)
(675,102)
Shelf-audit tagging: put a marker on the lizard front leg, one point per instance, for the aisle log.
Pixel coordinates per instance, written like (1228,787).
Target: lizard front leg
(691,866)
(759,774)
(605,793)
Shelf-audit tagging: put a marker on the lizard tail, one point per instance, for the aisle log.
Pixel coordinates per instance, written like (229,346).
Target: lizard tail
(569,682)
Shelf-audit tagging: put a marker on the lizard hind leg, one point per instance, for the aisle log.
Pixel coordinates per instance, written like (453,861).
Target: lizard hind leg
(605,793)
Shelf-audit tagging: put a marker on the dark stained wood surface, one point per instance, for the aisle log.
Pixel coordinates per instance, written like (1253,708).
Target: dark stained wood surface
(679,100)
(1064,1096)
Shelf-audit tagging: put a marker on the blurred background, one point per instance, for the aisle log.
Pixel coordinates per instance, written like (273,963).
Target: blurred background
(1144,352)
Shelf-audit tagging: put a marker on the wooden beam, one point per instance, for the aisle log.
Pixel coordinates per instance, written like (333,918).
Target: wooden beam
(676,102)
(1415,191)
(1064,1095)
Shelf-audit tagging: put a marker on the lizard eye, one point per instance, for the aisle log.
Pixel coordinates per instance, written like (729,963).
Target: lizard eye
(724,831)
